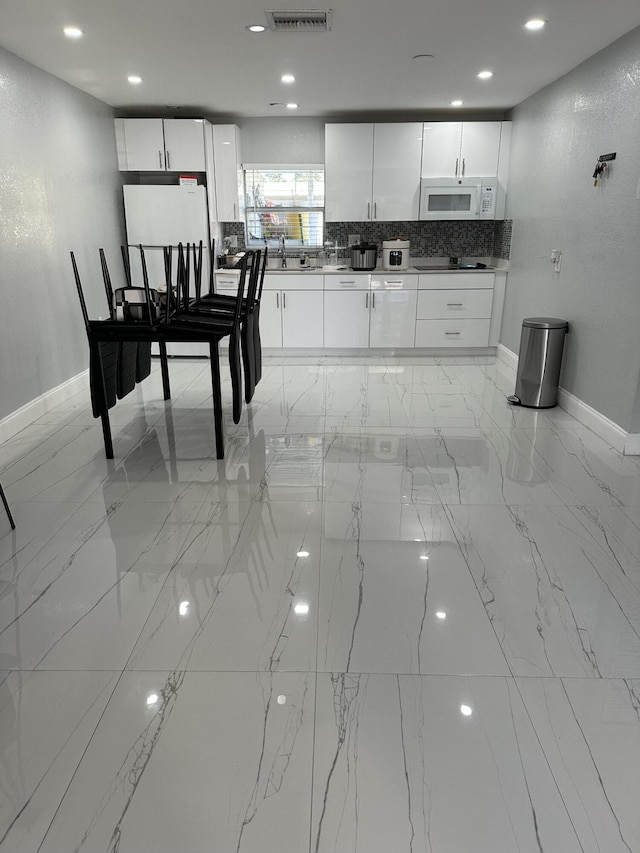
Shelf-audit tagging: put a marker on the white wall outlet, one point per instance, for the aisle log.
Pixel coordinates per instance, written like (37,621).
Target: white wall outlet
(354,239)
(556,259)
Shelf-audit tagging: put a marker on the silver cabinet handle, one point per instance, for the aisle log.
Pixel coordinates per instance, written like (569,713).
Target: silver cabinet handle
(284,300)
(373,300)
(160,159)
(463,167)
(168,155)
(393,281)
(348,283)
(368,210)
(457,162)
(452,333)
(375,209)
(366,300)
(454,304)
(235,216)
(277,299)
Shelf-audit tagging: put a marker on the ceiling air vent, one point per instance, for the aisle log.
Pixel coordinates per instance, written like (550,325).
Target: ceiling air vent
(309,20)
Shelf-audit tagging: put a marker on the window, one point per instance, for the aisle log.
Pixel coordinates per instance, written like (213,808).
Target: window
(285,201)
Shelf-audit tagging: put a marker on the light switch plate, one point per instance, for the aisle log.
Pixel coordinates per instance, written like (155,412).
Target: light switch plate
(354,239)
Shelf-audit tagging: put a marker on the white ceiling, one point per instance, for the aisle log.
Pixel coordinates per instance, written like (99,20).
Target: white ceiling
(197,54)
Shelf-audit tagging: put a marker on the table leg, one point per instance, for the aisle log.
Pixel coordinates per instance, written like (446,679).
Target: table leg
(214,357)
(164,367)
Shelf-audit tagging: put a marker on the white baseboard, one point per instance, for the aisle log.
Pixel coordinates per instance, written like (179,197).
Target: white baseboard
(30,412)
(509,358)
(613,434)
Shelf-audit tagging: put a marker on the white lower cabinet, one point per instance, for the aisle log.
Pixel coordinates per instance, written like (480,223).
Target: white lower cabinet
(452,333)
(346,319)
(393,310)
(291,318)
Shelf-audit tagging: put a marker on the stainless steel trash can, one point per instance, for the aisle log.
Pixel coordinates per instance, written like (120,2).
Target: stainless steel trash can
(539,362)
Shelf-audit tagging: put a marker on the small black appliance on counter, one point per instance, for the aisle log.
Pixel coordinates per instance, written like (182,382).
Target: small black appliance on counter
(364,256)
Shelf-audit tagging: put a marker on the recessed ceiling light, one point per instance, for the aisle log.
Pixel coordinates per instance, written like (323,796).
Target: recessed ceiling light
(484,75)
(256,28)
(292,106)
(456,103)
(73,32)
(288,78)
(536,24)
(134,79)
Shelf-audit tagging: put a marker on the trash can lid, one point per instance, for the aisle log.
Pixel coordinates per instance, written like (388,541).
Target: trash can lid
(545,323)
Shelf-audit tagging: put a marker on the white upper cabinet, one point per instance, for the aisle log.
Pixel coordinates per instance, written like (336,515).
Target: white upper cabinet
(228,173)
(480,150)
(372,172)
(397,149)
(184,145)
(456,149)
(348,174)
(441,149)
(160,145)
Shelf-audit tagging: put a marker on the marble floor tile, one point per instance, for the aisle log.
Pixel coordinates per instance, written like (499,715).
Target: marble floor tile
(431,763)
(46,721)
(590,733)
(396,595)
(586,471)
(486,466)
(558,603)
(243,595)
(82,601)
(193,762)
(399,615)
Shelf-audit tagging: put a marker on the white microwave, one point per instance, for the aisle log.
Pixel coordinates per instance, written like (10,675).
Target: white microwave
(455,198)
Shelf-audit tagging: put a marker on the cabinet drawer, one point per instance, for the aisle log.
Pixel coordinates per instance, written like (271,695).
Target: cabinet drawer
(347,281)
(291,281)
(227,283)
(393,281)
(452,333)
(441,304)
(455,280)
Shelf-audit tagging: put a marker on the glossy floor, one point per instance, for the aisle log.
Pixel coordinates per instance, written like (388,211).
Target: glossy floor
(399,616)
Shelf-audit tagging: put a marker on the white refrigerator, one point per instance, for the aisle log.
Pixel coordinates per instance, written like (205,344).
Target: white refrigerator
(158,216)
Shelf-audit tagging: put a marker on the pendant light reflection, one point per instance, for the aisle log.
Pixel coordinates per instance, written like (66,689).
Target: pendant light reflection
(302,554)
(152,699)
(301,608)
(183,609)
(466,710)
(282,699)
(441,615)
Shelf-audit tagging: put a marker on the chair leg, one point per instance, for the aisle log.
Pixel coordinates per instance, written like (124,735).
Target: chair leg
(257,344)
(248,357)
(6,506)
(214,357)
(236,376)
(101,391)
(164,367)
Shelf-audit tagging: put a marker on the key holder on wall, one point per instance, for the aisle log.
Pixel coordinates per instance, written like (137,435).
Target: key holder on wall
(602,167)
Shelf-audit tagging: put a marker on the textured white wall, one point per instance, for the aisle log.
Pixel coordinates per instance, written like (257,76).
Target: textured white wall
(60,190)
(558,134)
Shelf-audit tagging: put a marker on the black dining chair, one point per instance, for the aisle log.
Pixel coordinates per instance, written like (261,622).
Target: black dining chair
(6,506)
(250,318)
(187,319)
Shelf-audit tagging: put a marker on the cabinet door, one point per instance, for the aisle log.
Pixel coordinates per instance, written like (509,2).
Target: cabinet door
(270,319)
(302,319)
(393,318)
(144,144)
(348,172)
(397,153)
(184,145)
(346,318)
(228,170)
(441,149)
(480,148)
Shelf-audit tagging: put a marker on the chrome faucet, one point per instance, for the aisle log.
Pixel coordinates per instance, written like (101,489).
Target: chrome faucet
(283,252)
